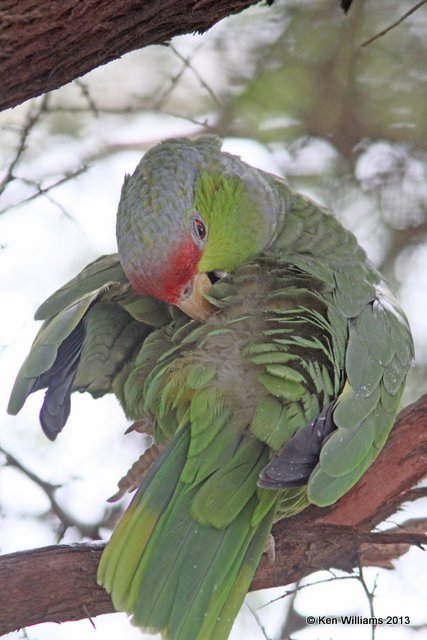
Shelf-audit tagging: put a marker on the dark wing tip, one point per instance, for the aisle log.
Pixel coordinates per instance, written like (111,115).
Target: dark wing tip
(54,415)
(345,5)
(298,457)
(281,474)
(59,383)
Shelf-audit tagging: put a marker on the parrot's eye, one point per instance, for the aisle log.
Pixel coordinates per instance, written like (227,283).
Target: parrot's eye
(199,230)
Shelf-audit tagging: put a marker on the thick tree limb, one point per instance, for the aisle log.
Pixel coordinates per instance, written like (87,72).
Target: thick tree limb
(45,44)
(59,584)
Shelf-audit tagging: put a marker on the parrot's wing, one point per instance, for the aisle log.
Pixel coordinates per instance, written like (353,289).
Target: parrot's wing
(378,354)
(95,277)
(374,359)
(92,326)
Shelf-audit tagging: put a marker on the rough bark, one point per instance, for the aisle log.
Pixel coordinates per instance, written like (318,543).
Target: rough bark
(59,583)
(45,44)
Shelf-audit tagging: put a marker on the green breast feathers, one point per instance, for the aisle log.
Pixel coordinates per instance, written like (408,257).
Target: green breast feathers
(249,329)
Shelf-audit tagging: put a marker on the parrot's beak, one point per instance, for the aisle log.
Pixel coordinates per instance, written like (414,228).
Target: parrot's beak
(193,301)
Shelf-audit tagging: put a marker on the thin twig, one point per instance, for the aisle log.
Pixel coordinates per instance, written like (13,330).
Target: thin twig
(370,596)
(292,621)
(86,94)
(32,119)
(188,65)
(45,192)
(416,539)
(41,191)
(258,621)
(158,104)
(299,586)
(89,617)
(136,109)
(394,24)
(49,489)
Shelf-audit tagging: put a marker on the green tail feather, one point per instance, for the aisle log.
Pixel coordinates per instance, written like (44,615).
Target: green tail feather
(172,574)
(129,540)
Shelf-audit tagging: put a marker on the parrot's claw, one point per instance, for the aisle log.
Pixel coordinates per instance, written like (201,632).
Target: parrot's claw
(145,425)
(137,472)
(270,548)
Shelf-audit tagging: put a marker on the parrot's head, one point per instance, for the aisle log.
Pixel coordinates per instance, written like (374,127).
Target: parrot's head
(188,213)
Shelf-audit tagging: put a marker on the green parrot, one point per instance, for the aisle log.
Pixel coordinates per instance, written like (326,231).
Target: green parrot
(248,330)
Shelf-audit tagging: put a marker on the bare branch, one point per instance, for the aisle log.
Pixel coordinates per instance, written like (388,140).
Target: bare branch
(42,191)
(259,623)
(299,586)
(293,621)
(33,117)
(86,530)
(394,24)
(380,555)
(86,94)
(203,83)
(173,81)
(370,595)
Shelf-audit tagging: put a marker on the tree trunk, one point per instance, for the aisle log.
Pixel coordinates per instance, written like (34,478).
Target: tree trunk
(44,44)
(58,584)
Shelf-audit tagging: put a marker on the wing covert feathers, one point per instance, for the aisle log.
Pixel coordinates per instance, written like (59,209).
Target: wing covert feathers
(93,327)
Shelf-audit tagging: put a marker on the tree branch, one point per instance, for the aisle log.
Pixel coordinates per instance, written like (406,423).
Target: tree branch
(87,530)
(394,24)
(44,44)
(58,583)
(31,120)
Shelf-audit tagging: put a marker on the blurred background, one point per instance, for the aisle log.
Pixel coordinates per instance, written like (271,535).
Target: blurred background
(291,90)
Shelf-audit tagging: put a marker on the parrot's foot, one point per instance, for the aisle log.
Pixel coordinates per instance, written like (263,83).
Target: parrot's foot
(137,472)
(270,548)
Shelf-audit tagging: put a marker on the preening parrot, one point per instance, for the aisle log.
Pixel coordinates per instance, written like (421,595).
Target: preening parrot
(249,330)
